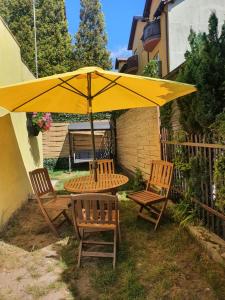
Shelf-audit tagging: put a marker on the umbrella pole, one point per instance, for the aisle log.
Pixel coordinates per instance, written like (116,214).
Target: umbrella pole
(93,145)
(92,125)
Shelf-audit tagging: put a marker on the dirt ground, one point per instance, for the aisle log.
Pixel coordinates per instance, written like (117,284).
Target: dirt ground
(166,264)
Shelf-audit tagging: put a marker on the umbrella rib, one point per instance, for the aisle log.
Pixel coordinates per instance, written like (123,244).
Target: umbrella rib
(107,87)
(130,90)
(72,91)
(59,84)
(75,89)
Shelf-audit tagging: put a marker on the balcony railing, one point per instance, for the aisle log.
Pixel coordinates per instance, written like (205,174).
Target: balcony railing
(151,35)
(131,66)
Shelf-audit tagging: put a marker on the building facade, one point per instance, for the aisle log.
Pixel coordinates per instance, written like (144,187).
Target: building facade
(161,33)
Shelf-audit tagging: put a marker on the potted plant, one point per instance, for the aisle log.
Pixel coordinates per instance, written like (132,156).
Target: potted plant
(37,122)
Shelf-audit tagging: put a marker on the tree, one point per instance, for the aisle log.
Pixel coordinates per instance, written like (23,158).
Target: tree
(205,67)
(18,15)
(53,40)
(91,39)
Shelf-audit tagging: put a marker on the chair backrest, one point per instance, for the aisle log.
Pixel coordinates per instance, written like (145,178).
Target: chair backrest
(104,166)
(94,208)
(41,182)
(160,176)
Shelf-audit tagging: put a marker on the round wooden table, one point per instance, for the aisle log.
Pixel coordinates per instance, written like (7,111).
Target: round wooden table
(87,184)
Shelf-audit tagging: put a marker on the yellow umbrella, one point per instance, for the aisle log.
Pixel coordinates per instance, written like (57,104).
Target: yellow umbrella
(89,90)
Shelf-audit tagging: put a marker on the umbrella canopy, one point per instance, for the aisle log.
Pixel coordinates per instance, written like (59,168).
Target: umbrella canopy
(90,89)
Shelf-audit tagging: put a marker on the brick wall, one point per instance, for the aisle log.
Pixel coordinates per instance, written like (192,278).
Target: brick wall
(138,139)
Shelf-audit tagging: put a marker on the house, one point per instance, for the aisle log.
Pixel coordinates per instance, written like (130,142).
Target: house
(160,34)
(19,153)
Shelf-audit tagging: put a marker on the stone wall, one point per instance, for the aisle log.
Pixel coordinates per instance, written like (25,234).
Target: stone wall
(138,139)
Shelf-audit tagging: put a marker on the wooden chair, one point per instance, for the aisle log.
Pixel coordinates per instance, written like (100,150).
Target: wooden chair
(104,166)
(157,191)
(52,206)
(95,212)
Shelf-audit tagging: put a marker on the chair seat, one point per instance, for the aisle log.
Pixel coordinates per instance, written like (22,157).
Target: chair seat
(58,203)
(146,197)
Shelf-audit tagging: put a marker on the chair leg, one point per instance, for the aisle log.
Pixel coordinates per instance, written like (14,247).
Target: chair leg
(160,215)
(119,233)
(114,248)
(54,229)
(79,253)
(141,208)
(66,217)
(50,224)
(80,248)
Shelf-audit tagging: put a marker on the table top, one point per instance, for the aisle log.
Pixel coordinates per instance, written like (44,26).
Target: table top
(87,184)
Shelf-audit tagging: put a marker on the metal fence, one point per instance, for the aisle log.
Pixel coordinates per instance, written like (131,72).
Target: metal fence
(195,157)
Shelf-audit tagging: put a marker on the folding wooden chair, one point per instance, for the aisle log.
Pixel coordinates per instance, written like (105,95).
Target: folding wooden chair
(95,212)
(157,191)
(52,206)
(104,166)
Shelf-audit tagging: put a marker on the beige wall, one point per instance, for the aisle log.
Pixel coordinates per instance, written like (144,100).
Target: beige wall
(18,153)
(138,139)
(138,47)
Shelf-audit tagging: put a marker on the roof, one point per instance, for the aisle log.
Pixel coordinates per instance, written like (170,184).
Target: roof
(98,125)
(147,8)
(172,74)
(118,60)
(133,28)
(159,9)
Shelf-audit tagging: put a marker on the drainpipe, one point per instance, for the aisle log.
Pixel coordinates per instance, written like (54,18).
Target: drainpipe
(167,40)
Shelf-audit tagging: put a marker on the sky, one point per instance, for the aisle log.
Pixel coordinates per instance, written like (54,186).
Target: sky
(118,19)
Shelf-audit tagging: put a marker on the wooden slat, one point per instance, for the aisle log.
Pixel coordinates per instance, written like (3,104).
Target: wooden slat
(97,254)
(214,146)
(87,184)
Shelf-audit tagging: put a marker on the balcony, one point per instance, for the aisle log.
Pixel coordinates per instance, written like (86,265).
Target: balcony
(151,35)
(131,66)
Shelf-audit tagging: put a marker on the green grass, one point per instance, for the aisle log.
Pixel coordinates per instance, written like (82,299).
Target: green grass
(166,264)
(150,265)
(63,176)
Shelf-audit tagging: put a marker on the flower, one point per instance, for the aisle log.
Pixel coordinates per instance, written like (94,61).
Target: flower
(41,121)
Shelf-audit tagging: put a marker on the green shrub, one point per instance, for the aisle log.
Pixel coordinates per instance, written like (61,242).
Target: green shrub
(137,181)
(61,163)
(219,178)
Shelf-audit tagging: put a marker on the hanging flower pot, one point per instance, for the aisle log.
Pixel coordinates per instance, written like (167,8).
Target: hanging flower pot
(37,122)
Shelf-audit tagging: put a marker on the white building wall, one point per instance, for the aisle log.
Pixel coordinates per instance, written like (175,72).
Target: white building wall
(184,15)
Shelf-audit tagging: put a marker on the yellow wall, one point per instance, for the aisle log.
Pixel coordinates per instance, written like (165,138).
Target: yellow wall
(138,47)
(18,153)
(161,46)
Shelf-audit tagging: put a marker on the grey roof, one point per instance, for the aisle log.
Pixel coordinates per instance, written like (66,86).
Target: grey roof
(98,125)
